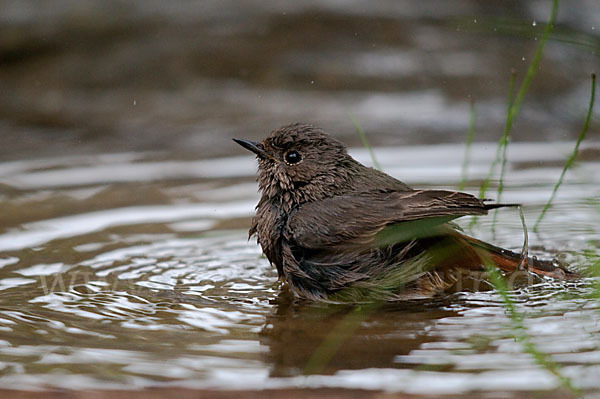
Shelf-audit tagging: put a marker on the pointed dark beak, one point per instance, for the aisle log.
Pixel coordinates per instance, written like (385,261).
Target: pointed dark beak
(253,146)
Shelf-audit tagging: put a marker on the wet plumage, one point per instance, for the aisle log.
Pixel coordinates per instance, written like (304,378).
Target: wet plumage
(338,230)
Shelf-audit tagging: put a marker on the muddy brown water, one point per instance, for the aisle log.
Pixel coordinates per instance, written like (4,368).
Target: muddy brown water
(161,288)
(124,205)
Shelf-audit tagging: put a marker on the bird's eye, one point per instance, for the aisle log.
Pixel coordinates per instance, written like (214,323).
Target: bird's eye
(292,157)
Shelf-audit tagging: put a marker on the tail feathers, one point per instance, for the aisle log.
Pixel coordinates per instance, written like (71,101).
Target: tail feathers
(509,261)
(496,206)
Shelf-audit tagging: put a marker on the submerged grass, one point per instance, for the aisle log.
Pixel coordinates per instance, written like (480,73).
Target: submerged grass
(517,318)
(593,269)
(573,156)
(520,331)
(496,278)
(592,257)
(342,331)
(351,322)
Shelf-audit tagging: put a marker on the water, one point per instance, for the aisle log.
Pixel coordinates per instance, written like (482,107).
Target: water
(145,278)
(124,259)
(185,76)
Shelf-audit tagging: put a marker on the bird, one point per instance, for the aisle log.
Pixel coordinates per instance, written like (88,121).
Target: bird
(337,230)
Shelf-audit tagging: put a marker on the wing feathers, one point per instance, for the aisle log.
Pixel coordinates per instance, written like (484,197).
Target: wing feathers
(358,218)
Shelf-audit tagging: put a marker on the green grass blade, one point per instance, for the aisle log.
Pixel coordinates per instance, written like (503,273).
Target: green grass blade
(363,138)
(520,331)
(573,156)
(525,251)
(533,68)
(514,109)
(517,318)
(470,139)
(502,147)
(515,106)
(336,338)
(486,183)
(503,138)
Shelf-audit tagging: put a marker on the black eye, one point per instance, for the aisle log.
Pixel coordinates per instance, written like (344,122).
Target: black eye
(292,157)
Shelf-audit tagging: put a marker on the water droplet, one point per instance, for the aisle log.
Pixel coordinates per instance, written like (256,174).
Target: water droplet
(534,23)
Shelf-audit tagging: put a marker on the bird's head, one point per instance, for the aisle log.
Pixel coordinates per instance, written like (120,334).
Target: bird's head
(300,163)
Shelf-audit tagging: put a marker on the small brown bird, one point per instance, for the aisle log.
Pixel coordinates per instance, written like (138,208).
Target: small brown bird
(340,231)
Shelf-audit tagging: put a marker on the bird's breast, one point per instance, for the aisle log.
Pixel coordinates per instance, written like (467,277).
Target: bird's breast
(270,220)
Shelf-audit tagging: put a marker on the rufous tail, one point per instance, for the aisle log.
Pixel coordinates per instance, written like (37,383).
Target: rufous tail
(509,261)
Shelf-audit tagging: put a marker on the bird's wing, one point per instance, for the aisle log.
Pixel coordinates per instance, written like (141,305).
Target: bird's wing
(379,218)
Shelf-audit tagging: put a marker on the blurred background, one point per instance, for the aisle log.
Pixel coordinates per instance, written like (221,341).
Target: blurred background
(125,206)
(88,76)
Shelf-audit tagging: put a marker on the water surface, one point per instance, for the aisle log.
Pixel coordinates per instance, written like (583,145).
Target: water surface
(146,278)
(124,205)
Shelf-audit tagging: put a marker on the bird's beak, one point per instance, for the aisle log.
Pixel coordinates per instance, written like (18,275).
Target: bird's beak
(255,147)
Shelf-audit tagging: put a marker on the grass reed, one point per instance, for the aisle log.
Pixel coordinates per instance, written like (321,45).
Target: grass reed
(496,278)
(345,328)
(503,146)
(499,149)
(517,318)
(470,139)
(342,331)
(503,139)
(514,110)
(515,106)
(365,142)
(520,331)
(573,156)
